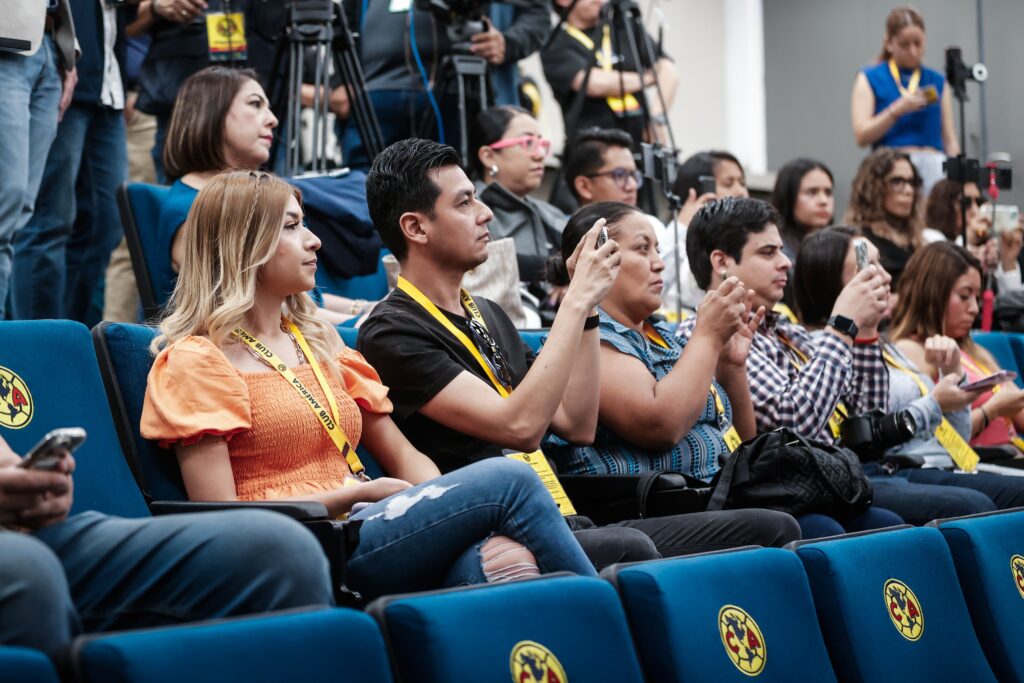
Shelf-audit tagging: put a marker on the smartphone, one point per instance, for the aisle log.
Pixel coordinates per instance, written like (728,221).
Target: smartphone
(706,185)
(602,237)
(991,381)
(931,94)
(46,454)
(860,248)
(1004,217)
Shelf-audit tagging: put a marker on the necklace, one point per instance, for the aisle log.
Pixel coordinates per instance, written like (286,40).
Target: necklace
(295,343)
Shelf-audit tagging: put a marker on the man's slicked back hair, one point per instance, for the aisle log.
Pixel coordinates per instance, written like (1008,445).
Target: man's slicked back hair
(725,224)
(399,182)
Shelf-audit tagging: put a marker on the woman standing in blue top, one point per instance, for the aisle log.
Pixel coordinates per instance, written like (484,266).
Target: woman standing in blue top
(900,103)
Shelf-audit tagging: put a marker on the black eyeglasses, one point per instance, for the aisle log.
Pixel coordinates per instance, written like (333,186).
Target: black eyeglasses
(899,182)
(620,176)
(492,353)
(978,201)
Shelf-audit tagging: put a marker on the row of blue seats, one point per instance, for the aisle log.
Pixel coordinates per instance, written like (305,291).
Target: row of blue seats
(1008,350)
(880,606)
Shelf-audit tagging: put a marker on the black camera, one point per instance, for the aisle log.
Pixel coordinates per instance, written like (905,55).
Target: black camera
(659,164)
(870,435)
(463,18)
(965,170)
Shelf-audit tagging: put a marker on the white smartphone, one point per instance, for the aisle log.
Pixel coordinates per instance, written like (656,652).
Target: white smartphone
(48,453)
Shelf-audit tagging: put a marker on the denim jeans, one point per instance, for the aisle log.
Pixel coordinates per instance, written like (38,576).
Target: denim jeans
(921,503)
(817,525)
(98,573)
(30,88)
(1005,492)
(430,535)
(60,255)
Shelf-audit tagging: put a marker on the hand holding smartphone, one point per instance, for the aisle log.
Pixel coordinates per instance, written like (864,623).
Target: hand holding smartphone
(860,246)
(52,448)
(993,380)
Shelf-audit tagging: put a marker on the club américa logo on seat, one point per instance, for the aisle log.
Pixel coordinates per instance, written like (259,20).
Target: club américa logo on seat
(904,609)
(742,638)
(531,662)
(16,406)
(1017,567)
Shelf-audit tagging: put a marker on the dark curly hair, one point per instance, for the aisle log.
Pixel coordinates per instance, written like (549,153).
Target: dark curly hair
(867,198)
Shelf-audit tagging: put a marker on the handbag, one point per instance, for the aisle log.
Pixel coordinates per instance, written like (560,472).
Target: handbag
(783,471)
(610,498)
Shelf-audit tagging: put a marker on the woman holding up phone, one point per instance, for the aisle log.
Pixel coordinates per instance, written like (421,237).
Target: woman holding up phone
(925,377)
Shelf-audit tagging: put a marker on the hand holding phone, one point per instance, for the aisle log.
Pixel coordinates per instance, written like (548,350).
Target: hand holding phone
(52,448)
(931,94)
(706,185)
(860,247)
(993,380)
(602,237)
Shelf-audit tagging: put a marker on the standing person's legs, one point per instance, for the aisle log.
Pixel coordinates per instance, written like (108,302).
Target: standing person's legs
(133,573)
(699,532)
(40,246)
(162,122)
(35,605)
(31,88)
(1005,492)
(411,541)
(921,503)
(94,239)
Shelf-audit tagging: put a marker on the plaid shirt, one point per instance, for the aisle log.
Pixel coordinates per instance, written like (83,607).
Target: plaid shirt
(804,398)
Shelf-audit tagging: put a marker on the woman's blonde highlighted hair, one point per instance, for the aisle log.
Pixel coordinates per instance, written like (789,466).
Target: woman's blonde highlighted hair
(231,231)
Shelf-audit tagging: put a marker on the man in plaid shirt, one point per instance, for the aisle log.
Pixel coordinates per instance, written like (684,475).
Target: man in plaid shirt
(796,381)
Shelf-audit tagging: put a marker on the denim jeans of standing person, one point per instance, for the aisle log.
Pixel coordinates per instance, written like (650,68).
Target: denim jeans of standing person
(95,573)
(61,253)
(430,536)
(31,88)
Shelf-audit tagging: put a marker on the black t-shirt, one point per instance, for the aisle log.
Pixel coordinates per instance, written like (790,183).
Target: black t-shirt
(893,257)
(417,357)
(568,56)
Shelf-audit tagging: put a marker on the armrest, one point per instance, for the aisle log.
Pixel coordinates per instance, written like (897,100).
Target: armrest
(299,510)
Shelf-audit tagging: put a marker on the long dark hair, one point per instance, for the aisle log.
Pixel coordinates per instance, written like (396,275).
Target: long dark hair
(786,192)
(867,198)
(942,211)
(899,18)
(818,272)
(578,226)
(703,163)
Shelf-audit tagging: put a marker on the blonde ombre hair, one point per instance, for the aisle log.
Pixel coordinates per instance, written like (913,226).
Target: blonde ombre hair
(231,231)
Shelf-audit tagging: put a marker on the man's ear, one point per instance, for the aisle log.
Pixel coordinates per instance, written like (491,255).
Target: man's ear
(412,225)
(582,185)
(720,261)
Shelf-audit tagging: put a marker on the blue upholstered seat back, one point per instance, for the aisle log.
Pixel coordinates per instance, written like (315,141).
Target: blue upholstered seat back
(25,666)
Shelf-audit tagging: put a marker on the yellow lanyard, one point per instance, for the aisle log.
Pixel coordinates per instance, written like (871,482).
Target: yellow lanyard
(961,452)
(840,413)
(915,79)
(605,61)
(467,301)
(731,436)
(329,420)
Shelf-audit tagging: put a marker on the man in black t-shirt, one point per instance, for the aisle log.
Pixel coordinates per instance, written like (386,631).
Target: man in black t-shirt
(462,383)
(614,88)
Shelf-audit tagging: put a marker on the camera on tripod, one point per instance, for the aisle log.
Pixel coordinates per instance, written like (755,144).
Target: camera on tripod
(964,170)
(870,435)
(659,164)
(463,18)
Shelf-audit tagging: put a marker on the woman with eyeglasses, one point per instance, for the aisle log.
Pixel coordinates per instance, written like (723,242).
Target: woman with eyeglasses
(508,166)
(885,205)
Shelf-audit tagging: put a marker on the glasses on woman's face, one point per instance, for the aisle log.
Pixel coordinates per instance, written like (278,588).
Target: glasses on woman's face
(898,182)
(531,143)
(621,176)
(966,202)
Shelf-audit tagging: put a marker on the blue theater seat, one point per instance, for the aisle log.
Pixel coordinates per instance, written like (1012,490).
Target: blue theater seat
(534,338)
(140,205)
(325,646)
(553,629)
(724,617)
(21,665)
(988,552)
(890,608)
(1001,346)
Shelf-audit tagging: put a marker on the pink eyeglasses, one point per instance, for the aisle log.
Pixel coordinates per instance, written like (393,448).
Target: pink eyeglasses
(528,142)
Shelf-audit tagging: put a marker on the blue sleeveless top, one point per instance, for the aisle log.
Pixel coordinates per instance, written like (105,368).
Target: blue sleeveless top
(172,214)
(922,128)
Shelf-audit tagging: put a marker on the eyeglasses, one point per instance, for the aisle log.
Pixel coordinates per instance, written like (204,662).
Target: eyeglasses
(620,176)
(530,143)
(492,354)
(978,201)
(897,183)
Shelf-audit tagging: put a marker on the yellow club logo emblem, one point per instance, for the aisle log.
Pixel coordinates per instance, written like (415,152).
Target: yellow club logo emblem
(904,609)
(16,405)
(1017,567)
(743,640)
(533,663)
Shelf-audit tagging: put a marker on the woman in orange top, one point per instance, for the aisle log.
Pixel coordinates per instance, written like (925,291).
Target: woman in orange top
(261,400)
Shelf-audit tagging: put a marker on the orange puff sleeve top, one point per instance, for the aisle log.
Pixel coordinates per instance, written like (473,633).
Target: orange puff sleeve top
(278,447)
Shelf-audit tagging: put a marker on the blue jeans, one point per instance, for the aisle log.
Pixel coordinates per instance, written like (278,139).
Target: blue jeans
(1005,492)
(921,503)
(61,254)
(816,525)
(98,573)
(430,535)
(31,88)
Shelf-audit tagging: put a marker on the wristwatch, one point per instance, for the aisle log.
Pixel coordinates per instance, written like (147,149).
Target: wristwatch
(843,325)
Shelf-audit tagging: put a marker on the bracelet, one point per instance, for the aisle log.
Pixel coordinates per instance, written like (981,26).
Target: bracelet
(591,322)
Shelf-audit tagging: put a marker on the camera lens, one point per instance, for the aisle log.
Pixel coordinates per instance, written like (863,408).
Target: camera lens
(894,429)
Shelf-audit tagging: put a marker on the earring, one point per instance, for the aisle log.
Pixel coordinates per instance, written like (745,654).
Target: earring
(493,169)
(723,273)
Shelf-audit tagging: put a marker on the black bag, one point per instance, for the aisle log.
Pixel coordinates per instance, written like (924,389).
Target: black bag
(783,471)
(610,498)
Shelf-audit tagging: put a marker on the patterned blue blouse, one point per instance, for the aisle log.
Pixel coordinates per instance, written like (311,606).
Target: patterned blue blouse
(697,454)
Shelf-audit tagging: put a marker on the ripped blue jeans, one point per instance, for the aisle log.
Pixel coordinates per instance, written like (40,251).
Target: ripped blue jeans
(430,536)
